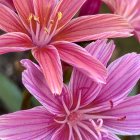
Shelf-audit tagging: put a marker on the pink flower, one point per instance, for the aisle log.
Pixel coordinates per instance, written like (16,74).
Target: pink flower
(90,7)
(85,110)
(129,9)
(46,28)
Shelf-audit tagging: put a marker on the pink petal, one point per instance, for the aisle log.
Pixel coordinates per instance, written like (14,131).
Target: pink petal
(49,60)
(84,132)
(129,109)
(33,79)
(129,10)
(25,9)
(123,74)
(9,21)
(43,9)
(68,8)
(36,123)
(95,27)
(81,59)
(111,137)
(67,96)
(15,42)
(86,135)
(62,133)
(102,51)
(8,3)
(90,7)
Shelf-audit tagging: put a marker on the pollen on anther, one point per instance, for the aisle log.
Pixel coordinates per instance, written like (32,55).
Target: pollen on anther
(30,17)
(59,15)
(36,18)
(121,118)
(46,30)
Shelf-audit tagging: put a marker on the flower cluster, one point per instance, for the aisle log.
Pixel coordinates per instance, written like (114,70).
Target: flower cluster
(95,104)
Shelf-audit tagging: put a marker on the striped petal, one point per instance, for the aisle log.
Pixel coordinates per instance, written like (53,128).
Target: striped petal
(88,132)
(90,7)
(68,9)
(129,10)
(102,51)
(33,124)
(81,59)
(94,27)
(43,9)
(60,135)
(111,137)
(8,3)
(33,79)
(9,20)
(15,42)
(129,122)
(25,9)
(124,73)
(49,60)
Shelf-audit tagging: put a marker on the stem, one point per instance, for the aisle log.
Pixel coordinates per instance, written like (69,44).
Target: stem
(26,102)
(126,138)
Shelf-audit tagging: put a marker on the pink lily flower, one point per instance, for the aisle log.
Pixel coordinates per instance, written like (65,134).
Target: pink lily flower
(46,28)
(129,9)
(90,7)
(85,110)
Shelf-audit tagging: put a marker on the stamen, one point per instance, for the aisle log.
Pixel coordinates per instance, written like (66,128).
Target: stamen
(65,107)
(121,118)
(77,132)
(91,109)
(78,102)
(46,30)
(88,129)
(30,17)
(59,15)
(45,37)
(90,116)
(31,26)
(100,121)
(51,21)
(36,18)
(111,103)
(98,128)
(61,122)
(70,132)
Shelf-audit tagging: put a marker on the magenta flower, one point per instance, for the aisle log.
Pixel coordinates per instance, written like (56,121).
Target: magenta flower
(129,9)
(90,7)
(85,110)
(46,28)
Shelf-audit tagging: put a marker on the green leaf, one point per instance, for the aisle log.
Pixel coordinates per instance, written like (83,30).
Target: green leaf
(10,94)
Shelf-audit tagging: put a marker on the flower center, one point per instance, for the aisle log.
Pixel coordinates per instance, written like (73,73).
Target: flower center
(73,118)
(42,34)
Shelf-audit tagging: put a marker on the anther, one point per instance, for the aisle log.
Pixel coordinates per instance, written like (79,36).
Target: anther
(46,30)
(59,15)
(30,17)
(111,103)
(121,118)
(36,18)
(51,21)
